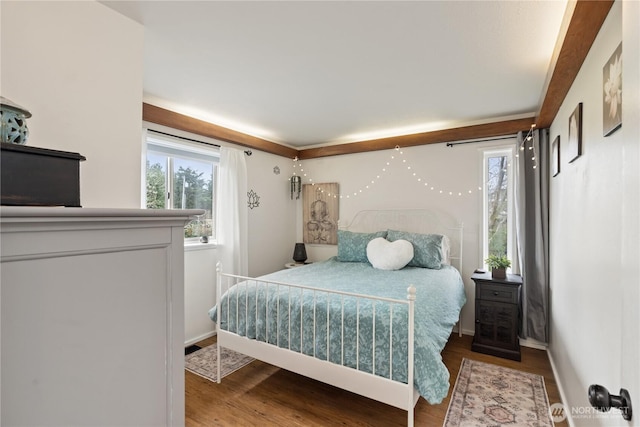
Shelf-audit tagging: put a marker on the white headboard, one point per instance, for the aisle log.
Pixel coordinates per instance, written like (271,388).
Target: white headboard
(412,220)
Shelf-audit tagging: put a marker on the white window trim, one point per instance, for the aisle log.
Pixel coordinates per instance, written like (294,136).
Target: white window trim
(508,151)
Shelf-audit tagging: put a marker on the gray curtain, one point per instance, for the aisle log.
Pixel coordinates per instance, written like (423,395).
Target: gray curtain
(532,232)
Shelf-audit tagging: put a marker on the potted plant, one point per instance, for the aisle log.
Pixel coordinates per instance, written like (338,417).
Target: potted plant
(498,265)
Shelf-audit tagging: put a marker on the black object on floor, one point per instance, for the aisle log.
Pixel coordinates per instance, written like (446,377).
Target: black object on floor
(191,349)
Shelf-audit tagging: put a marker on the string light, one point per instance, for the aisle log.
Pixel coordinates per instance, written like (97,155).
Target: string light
(524,144)
(396,153)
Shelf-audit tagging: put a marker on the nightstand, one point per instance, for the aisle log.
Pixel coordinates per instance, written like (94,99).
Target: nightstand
(296,264)
(497,315)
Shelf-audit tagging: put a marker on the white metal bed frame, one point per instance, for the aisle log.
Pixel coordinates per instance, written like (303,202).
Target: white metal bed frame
(371,385)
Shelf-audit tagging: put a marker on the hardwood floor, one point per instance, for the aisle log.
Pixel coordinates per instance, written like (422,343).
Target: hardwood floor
(263,395)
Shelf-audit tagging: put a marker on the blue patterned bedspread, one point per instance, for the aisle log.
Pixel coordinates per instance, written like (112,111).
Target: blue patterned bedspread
(439,299)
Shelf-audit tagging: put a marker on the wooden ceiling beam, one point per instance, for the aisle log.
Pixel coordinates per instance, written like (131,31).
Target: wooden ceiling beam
(586,21)
(486,130)
(161,116)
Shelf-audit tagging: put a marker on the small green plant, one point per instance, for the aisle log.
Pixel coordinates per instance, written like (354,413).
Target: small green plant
(497,261)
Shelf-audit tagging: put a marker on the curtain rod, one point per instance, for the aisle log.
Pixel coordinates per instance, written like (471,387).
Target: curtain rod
(473,141)
(247,152)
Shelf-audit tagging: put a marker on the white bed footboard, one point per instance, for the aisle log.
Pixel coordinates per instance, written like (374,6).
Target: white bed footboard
(278,346)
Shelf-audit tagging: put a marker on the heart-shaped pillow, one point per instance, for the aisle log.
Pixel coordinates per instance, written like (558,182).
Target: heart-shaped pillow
(386,255)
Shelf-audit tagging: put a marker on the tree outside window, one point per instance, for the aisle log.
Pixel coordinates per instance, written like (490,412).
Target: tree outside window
(497,226)
(497,198)
(191,178)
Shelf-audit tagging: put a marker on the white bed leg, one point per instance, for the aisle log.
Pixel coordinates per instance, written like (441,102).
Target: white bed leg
(411,296)
(218,362)
(461,237)
(219,314)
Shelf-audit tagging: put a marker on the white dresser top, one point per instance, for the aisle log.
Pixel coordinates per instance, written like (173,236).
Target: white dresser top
(9,212)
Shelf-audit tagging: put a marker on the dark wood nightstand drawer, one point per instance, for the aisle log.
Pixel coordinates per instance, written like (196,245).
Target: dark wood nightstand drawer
(495,292)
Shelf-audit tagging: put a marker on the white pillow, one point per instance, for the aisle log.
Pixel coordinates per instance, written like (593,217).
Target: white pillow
(386,255)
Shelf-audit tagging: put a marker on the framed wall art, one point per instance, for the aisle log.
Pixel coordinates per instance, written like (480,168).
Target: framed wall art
(555,156)
(320,213)
(612,95)
(574,144)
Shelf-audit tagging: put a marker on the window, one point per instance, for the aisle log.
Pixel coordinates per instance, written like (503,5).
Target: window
(182,175)
(498,232)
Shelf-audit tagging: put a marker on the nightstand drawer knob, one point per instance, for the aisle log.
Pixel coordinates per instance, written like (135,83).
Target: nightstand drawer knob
(495,294)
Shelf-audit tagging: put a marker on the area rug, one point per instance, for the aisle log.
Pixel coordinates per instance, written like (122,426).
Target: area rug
(204,362)
(490,395)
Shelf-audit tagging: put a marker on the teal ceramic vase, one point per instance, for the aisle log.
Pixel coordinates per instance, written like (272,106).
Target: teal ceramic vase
(13,121)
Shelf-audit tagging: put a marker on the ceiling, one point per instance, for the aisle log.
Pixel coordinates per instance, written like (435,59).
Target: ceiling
(306,73)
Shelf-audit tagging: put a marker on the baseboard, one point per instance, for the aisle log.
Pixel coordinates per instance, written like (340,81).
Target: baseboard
(524,342)
(200,338)
(469,332)
(531,343)
(563,396)
(528,342)
(456,329)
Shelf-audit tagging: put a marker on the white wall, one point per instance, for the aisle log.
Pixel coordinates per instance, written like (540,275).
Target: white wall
(271,224)
(590,214)
(77,66)
(199,292)
(451,169)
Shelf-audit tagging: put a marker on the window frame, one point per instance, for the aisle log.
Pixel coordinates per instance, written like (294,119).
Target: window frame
(176,147)
(510,153)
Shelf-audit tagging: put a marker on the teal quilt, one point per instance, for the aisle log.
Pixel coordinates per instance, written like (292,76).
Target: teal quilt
(350,331)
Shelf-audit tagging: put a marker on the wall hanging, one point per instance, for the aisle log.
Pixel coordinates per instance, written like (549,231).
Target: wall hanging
(555,156)
(320,213)
(575,134)
(254,199)
(295,185)
(612,96)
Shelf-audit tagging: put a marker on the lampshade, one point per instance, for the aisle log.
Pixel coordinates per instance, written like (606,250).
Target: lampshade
(299,253)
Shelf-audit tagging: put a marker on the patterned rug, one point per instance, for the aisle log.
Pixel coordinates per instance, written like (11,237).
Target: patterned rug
(490,395)
(204,362)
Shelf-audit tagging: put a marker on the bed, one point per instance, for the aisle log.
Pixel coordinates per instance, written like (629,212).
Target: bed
(350,324)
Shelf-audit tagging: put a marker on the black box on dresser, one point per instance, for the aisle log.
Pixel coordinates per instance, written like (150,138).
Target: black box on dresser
(32,176)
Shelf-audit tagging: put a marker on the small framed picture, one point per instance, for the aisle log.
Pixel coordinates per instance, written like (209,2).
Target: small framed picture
(612,95)
(555,156)
(574,145)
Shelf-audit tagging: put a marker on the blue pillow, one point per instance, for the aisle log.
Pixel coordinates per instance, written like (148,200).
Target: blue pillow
(352,247)
(428,251)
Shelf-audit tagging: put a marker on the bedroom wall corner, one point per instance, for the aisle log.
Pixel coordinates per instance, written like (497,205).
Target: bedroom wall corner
(77,66)
(271,231)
